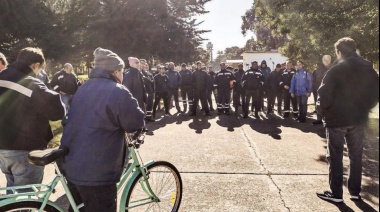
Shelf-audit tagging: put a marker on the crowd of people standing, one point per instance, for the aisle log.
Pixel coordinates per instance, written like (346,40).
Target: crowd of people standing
(116,100)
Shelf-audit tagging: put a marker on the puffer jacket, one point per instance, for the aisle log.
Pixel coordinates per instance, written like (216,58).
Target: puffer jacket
(302,83)
(100,114)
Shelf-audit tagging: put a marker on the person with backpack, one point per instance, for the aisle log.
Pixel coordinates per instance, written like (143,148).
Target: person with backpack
(301,87)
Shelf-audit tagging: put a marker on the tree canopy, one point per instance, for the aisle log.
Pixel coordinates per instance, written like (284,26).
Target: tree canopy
(308,29)
(69,30)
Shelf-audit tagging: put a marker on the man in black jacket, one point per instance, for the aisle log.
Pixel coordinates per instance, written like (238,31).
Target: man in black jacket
(253,81)
(348,92)
(149,88)
(26,106)
(238,92)
(162,90)
(199,81)
(223,82)
(186,87)
(317,80)
(274,90)
(65,82)
(286,79)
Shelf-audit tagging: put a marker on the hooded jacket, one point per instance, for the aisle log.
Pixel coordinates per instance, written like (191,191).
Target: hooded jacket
(348,92)
(101,112)
(26,107)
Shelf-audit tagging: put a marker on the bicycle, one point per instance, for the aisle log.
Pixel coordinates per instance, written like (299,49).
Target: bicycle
(155,185)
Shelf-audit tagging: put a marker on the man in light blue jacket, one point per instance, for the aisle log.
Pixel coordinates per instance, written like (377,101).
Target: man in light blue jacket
(301,88)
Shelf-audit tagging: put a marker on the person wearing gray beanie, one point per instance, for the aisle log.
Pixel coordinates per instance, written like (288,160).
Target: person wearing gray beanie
(107,60)
(100,114)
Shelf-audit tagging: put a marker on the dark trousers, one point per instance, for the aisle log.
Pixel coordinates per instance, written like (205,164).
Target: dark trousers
(223,102)
(302,104)
(209,99)
(200,95)
(149,105)
(261,96)
(315,95)
(255,95)
(187,97)
(272,95)
(287,100)
(174,92)
(95,198)
(157,100)
(238,98)
(353,137)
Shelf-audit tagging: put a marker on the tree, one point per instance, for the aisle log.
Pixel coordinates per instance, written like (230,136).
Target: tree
(312,27)
(69,30)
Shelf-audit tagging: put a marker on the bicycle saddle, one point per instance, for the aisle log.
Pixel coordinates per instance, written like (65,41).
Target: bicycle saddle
(44,157)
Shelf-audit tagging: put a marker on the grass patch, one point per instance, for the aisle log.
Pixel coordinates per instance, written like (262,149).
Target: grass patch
(83,77)
(57,132)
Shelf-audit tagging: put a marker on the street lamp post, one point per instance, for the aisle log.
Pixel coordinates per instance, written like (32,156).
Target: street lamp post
(209,48)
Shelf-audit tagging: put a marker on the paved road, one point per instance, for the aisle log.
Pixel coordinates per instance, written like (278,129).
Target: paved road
(228,163)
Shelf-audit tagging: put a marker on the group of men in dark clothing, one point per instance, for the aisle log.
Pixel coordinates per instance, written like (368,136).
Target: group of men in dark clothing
(285,84)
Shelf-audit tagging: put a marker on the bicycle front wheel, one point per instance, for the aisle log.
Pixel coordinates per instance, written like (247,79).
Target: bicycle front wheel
(166,183)
(27,206)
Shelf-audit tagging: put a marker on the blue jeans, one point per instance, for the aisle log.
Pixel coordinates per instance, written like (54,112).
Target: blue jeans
(18,171)
(66,99)
(302,105)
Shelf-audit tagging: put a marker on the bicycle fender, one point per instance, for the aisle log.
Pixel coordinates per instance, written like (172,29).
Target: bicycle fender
(127,187)
(30,199)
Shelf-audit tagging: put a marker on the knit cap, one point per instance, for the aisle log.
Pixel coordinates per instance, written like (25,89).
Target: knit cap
(107,60)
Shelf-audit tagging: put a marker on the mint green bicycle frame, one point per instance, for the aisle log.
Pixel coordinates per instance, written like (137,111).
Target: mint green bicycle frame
(42,192)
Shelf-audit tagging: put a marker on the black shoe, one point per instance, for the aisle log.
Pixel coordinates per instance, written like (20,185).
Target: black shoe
(218,113)
(355,197)
(257,116)
(192,114)
(212,109)
(317,122)
(227,113)
(208,114)
(245,116)
(328,196)
(145,130)
(286,115)
(168,114)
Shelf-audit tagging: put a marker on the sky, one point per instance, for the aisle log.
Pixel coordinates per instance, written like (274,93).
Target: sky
(224,19)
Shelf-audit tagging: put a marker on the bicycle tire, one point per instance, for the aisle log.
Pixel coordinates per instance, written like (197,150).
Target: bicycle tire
(27,205)
(160,170)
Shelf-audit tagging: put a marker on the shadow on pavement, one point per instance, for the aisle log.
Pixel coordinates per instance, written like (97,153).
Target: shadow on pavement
(199,124)
(229,121)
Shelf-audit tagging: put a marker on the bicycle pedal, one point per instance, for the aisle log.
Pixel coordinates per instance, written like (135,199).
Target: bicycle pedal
(53,191)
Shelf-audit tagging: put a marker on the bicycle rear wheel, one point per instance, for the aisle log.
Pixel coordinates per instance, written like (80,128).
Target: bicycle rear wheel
(27,206)
(166,183)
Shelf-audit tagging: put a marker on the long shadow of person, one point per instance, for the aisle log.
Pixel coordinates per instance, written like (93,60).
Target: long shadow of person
(265,124)
(199,124)
(230,122)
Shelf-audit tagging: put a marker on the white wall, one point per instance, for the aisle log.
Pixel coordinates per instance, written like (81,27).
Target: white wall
(270,57)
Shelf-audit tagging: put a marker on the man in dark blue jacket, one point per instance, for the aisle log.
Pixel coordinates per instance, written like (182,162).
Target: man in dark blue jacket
(101,112)
(162,91)
(186,87)
(252,81)
(223,82)
(238,91)
(26,106)
(348,92)
(174,83)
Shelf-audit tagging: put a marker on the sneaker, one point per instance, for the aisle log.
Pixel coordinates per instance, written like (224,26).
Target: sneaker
(328,196)
(355,198)
(317,122)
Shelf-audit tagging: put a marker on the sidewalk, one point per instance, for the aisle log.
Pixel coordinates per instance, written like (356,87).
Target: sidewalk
(234,164)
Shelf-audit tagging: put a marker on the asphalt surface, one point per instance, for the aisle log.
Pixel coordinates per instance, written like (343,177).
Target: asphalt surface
(228,163)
